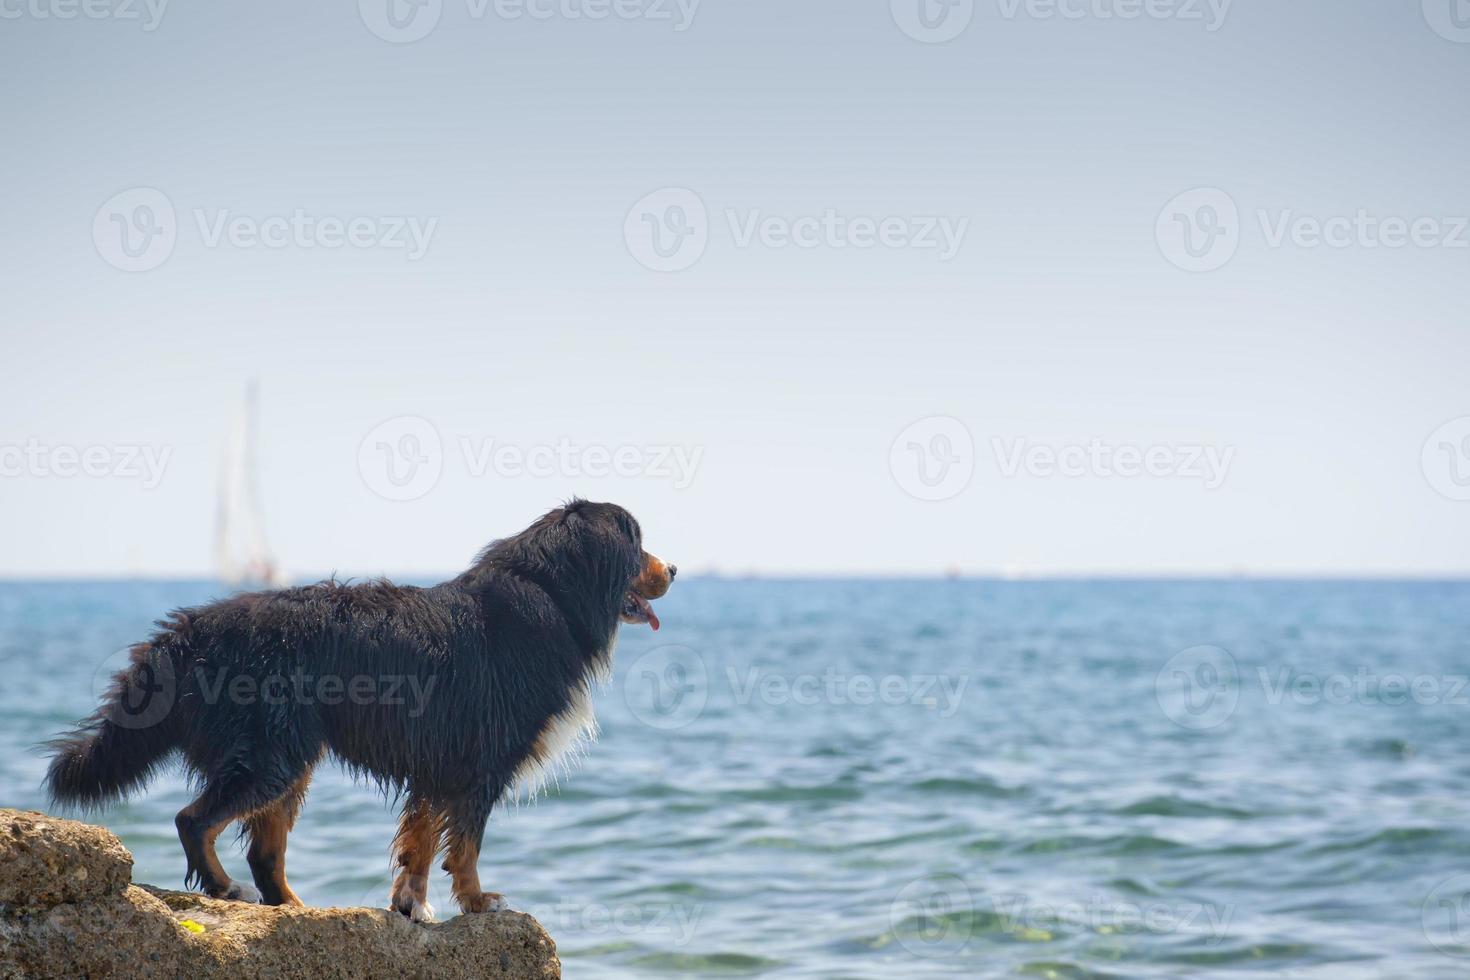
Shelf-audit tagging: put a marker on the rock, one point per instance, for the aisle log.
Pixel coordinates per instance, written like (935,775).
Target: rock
(67,910)
(45,861)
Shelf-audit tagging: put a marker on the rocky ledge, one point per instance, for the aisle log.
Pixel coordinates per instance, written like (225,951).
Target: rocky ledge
(68,909)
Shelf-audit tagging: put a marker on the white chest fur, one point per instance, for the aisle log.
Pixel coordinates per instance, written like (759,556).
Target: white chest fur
(562,740)
(565,735)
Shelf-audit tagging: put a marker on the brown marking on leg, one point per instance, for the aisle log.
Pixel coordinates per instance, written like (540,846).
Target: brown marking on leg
(461,862)
(414,846)
(198,839)
(267,829)
(267,855)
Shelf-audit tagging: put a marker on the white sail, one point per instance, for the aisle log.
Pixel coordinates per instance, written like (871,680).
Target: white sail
(242,554)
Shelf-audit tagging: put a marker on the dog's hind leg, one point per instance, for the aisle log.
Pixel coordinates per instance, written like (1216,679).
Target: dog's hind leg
(419,830)
(229,797)
(267,829)
(199,826)
(464,830)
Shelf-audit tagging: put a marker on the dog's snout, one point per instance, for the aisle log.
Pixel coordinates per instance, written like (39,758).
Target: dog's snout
(673,570)
(655,578)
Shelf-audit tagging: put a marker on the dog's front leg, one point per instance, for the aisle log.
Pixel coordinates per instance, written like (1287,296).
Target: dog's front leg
(465,829)
(413,850)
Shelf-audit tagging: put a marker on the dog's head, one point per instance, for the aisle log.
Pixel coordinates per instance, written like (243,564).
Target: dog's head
(608,539)
(591,556)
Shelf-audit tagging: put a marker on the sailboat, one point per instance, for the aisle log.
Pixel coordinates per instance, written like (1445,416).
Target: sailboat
(242,556)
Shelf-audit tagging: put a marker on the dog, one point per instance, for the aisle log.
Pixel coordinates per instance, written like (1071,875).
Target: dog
(253,691)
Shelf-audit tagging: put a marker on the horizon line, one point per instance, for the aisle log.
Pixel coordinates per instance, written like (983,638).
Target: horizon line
(720,575)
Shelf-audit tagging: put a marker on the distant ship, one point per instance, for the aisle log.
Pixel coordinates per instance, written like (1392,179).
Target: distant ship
(241,553)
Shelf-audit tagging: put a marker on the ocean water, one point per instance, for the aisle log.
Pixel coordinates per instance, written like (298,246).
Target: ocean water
(914,779)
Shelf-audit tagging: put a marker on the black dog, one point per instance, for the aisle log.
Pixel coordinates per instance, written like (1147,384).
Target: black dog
(254,690)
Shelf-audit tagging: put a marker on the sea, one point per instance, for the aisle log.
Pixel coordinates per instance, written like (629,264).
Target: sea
(967,778)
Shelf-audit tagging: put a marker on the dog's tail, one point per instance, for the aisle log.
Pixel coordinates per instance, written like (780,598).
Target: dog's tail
(116,750)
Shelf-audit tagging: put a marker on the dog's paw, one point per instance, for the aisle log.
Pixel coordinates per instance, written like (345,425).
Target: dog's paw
(241,892)
(414,909)
(485,902)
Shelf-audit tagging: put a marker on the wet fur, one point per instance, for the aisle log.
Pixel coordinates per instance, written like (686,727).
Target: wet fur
(509,646)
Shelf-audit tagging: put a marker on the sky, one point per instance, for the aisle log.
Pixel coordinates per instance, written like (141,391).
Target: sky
(894,287)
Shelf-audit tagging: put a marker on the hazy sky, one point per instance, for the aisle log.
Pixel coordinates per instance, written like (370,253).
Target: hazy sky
(467,229)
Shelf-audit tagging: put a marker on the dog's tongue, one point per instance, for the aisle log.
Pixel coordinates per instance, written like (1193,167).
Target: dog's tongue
(645,608)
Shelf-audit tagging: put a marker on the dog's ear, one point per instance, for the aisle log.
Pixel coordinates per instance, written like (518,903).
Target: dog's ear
(606,515)
(629,526)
